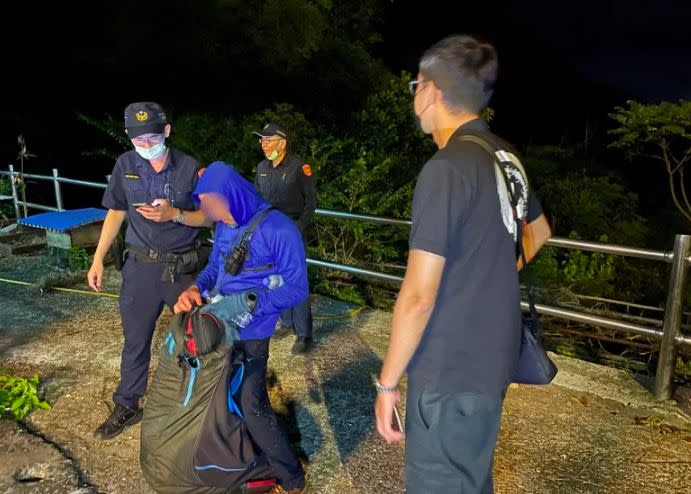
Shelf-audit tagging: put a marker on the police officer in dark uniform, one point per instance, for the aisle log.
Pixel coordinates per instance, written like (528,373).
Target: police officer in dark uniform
(151,186)
(286,182)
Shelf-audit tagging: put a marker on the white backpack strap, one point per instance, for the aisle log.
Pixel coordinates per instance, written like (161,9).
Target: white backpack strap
(511,168)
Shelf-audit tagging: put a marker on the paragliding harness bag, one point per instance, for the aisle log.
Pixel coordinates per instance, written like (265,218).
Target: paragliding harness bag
(193,432)
(534,365)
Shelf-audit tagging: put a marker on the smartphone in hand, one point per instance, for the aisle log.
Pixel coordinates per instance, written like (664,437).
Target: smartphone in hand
(396,420)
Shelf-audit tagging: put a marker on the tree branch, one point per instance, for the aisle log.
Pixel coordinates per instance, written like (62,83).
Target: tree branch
(682,161)
(664,146)
(683,190)
(686,214)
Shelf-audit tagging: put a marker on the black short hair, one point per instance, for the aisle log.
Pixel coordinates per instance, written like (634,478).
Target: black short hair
(464,69)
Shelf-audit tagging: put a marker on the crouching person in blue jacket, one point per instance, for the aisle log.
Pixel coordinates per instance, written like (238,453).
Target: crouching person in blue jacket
(254,245)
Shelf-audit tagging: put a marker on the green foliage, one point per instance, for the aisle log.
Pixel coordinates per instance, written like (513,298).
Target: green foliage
(67,263)
(207,137)
(593,206)
(683,366)
(589,272)
(320,47)
(340,290)
(78,259)
(111,127)
(583,273)
(247,151)
(372,171)
(661,132)
(6,209)
(641,124)
(18,396)
(545,267)
(370,164)
(295,28)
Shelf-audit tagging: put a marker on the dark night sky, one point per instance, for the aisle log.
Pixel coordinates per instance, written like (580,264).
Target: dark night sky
(562,63)
(640,47)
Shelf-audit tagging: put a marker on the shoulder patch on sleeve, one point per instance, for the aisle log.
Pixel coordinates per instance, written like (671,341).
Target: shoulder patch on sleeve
(307,170)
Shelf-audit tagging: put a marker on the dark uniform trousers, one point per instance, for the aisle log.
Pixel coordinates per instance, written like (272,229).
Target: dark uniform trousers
(450,442)
(299,316)
(143,295)
(260,418)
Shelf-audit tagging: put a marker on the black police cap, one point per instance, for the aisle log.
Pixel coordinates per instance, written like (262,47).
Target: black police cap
(144,118)
(272,129)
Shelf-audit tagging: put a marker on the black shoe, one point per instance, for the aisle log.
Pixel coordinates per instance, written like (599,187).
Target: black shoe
(120,418)
(302,345)
(283,331)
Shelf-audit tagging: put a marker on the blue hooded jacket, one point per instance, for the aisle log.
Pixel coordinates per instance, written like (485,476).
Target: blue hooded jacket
(276,241)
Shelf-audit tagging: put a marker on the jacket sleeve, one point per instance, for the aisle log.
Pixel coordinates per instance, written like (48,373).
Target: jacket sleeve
(290,259)
(207,278)
(309,194)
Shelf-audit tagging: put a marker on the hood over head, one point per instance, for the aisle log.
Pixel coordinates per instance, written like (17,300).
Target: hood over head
(222,178)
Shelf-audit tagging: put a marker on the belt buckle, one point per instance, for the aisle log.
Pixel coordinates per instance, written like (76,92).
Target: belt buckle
(153,255)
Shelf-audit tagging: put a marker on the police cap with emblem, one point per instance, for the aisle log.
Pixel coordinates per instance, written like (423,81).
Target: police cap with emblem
(144,118)
(272,129)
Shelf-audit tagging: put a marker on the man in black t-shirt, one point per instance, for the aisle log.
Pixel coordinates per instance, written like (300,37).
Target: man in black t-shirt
(457,321)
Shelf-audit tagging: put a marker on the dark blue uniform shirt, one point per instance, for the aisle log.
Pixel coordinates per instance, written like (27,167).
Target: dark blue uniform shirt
(134,181)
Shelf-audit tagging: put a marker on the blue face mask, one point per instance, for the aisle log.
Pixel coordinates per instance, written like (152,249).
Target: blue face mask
(151,153)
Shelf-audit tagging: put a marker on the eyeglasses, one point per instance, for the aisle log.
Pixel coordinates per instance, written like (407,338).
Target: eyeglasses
(265,140)
(412,86)
(149,139)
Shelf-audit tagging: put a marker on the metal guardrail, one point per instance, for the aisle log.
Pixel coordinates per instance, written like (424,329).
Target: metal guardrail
(670,337)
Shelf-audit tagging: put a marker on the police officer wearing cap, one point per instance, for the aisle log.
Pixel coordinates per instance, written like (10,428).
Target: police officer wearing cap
(151,187)
(286,182)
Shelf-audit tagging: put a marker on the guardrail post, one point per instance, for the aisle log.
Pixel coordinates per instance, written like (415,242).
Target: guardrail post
(58,191)
(673,314)
(15,197)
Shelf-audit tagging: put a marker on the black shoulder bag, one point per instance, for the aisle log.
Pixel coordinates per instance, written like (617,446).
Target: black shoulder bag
(534,365)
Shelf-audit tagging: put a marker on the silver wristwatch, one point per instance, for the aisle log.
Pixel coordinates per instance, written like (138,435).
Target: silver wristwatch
(180,217)
(381,388)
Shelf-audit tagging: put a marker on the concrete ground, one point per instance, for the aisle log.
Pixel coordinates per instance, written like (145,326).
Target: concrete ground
(594,430)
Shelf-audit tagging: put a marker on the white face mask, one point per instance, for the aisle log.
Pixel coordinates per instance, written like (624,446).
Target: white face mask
(273,155)
(151,153)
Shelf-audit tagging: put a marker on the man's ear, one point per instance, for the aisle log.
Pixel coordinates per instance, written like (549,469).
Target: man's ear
(167,130)
(439,96)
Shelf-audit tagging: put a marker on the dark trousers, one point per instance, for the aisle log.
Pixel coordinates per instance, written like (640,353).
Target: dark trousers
(300,318)
(260,418)
(142,297)
(450,442)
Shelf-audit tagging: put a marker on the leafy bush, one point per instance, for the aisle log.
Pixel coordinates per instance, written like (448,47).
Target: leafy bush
(369,164)
(79,259)
(6,209)
(18,396)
